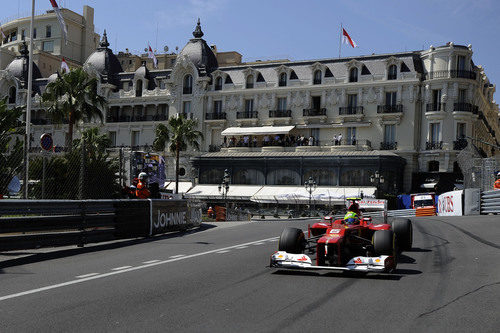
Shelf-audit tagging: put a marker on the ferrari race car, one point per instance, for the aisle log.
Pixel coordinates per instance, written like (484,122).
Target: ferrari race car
(363,247)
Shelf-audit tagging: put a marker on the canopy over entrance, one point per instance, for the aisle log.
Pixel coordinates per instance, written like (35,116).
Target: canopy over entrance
(321,195)
(261,130)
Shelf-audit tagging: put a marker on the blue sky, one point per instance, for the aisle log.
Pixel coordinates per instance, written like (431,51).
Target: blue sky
(293,29)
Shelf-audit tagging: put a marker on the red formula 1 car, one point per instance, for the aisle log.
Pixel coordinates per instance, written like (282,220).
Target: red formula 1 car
(363,246)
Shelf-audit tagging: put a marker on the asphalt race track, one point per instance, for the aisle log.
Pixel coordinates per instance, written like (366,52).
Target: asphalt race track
(217,280)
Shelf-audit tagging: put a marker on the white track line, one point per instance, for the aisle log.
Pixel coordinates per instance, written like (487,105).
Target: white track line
(223,251)
(120,268)
(150,261)
(241,247)
(86,275)
(100,276)
(177,256)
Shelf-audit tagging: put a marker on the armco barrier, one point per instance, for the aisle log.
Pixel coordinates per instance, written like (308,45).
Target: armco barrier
(490,202)
(26,224)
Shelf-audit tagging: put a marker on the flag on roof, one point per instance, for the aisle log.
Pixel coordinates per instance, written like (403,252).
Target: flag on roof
(64,66)
(347,39)
(60,19)
(152,56)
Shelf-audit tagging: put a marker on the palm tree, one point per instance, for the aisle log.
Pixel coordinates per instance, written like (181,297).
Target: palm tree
(73,97)
(181,133)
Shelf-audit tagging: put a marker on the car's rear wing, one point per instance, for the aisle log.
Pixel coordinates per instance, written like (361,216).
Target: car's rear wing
(373,205)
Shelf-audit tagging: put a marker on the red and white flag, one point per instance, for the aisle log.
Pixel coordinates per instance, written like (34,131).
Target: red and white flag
(64,66)
(347,39)
(152,56)
(61,19)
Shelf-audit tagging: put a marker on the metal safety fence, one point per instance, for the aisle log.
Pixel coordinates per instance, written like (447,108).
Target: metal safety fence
(490,202)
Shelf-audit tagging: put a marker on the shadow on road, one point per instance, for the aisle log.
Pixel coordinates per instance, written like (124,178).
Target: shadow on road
(418,249)
(55,253)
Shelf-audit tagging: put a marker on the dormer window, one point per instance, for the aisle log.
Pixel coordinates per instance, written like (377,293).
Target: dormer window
(317,77)
(353,75)
(138,88)
(48,31)
(249,83)
(218,83)
(282,80)
(392,73)
(188,85)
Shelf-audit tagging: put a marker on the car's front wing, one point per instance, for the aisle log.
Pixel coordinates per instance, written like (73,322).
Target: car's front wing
(284,260)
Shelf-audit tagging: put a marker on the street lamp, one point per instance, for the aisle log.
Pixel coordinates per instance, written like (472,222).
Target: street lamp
(376,179)
(224,186)
(310,185)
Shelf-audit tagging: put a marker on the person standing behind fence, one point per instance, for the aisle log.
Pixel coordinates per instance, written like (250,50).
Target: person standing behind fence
(496,185)
(340,139)
(142,191)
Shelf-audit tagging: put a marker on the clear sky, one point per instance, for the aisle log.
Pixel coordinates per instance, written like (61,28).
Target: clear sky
(294,29)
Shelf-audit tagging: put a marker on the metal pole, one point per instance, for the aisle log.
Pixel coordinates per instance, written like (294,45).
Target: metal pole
(28,103)
(340,39)
(43,175)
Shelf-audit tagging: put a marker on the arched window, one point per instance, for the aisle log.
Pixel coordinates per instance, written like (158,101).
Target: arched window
(353,75)
(317,77)
(249,84)
(392,73)
(12,95)
(188,85)
(218,83)
(433,166)
(282,81)
(138,88)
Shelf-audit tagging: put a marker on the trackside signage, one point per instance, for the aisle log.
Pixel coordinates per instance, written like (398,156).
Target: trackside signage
(172,215)
(450,204)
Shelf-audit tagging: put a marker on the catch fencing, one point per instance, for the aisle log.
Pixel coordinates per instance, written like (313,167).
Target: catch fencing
(490,202)
(478,172)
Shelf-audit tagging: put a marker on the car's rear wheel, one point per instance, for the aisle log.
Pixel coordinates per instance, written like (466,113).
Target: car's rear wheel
(383,242)
(404,234)
(292,240)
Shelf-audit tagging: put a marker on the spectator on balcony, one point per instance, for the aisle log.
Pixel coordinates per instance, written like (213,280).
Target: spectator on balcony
(335,140)
(232,141)
(311,141)
(353,139)
(340,139)
(254,141)
(246,140)
(266,140)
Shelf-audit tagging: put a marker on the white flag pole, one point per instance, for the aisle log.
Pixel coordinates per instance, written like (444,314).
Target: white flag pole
(28,102)
(340,39)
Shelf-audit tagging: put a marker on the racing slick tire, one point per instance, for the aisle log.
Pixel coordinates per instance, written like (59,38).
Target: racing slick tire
(292,240)
(404,234)
(383,242)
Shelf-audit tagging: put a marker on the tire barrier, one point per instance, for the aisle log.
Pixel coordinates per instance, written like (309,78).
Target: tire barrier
(490,202)
(27,224)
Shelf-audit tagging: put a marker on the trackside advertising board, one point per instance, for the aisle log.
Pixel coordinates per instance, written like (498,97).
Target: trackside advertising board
(450,204)
(172,215)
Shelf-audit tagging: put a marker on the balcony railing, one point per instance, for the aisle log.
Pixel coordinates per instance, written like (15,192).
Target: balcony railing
(388,145)
(466,107)
(215,116)
(314,112)
(280,113)
(459,144)
(396,108)
(38,121)
(346,110)
(247,115)
(463,74)
(432,107)
(434,145)
(125,119)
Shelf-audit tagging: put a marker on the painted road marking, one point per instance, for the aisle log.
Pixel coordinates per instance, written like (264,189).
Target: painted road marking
(241,247)
(86,275)
(100,276)
(257,243)
(177,256)
(120,268)
(150,261)
(223,251)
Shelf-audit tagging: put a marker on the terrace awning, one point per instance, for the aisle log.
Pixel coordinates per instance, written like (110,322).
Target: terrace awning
(299,194)
(210,192)
(261,130)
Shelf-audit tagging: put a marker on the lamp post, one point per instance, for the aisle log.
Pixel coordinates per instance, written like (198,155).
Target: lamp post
(224,186)
(377,179)
(310,185)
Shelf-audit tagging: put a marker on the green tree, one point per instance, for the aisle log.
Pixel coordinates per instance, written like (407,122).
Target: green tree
(73,97)
(62,175)
(11,153)
(179,133)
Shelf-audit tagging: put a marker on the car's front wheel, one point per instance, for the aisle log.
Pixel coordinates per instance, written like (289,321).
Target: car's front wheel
(292,240)
(383,242)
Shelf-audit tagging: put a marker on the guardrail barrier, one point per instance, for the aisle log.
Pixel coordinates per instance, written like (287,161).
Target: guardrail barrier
(490,202)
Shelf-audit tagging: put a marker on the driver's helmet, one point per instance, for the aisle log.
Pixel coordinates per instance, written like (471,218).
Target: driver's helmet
(498,175)
(143,176)
(352,220)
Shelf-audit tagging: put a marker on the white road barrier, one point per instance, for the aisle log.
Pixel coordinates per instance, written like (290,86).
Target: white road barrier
(451,203)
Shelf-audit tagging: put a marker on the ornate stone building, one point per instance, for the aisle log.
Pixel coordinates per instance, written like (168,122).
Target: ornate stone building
(401,115)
